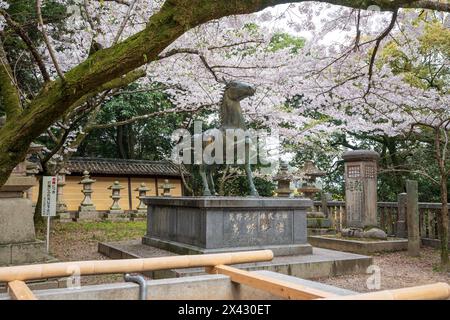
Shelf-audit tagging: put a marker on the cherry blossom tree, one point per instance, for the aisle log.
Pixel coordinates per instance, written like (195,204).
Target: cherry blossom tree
(167,21)
(404,94)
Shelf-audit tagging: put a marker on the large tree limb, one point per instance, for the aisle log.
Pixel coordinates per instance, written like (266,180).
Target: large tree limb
(164,27)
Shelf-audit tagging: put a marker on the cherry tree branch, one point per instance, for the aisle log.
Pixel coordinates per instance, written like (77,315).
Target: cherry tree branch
(195,52)
(51,51)
(146,116)
(380,38)
(24,36)
(411,171)
(124,21)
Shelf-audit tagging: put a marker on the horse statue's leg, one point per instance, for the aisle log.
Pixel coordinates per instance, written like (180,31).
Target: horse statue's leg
(248,170)
(209,176)
(206,191)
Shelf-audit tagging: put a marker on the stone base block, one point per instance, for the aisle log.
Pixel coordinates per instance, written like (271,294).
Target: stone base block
(116,215)
(23,253)
(320,231)
(221,224)
(64,216)
(358,246)
(138,216)
(16,221)
(318,222)
(88,215)
(182,248)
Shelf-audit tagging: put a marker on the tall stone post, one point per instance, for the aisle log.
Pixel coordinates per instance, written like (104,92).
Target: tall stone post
(166,187)
(324,200)
(401,217)
(361,168)
(115,207)
(61,206)
(142,208)
(412,212)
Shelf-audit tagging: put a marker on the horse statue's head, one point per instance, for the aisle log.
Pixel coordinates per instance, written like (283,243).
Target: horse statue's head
(237,91)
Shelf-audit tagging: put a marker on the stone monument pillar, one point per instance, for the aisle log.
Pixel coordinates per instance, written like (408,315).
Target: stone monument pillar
(361,194)
(412,211)
(61,206)
(18,243)
(401,219)
(115,207)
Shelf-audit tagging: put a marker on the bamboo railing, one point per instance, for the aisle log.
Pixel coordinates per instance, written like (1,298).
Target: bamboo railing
(213,263)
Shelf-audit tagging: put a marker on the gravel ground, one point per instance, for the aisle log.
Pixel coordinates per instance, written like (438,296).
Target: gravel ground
(73,241)
(397,270)
(78,241)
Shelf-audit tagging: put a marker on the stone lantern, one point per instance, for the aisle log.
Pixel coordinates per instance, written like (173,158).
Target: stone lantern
(310,173)
(283,178)
(318,222)
(86,207)
(142,208)
(166,187)
(115,207)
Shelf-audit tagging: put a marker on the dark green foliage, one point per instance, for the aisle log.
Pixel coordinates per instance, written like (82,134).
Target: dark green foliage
(239,187)
(144,139)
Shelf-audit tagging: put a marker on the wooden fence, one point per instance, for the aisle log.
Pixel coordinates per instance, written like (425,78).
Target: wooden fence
(388,216)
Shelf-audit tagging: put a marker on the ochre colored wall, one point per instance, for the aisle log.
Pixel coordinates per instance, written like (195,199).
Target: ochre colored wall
(101,195)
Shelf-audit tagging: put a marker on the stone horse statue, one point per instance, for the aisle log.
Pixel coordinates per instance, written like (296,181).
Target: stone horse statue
(231,118)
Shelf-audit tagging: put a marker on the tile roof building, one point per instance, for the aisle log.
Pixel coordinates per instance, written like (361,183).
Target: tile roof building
(129,173)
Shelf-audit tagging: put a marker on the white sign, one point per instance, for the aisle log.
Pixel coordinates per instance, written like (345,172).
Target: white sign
(49,190)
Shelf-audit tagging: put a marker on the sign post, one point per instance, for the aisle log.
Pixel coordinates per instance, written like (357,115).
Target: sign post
(49,191)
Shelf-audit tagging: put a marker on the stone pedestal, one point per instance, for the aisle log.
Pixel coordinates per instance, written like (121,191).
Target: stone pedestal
(193,225)
(18,244)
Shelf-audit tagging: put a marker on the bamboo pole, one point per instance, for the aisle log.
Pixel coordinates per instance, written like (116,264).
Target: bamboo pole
(275,286)
(18,290)
(436,291)
(64,269)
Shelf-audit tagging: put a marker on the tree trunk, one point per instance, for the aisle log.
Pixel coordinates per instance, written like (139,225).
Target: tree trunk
(443,224)
(38,219)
